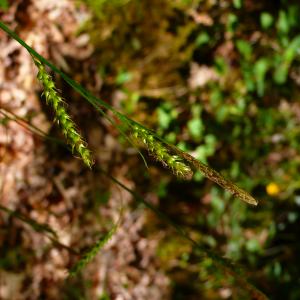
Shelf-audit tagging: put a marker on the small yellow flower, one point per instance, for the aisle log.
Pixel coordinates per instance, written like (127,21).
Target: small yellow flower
(272,189)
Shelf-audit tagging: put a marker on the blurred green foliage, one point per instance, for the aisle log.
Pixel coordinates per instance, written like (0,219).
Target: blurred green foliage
(221,81)
(3,4)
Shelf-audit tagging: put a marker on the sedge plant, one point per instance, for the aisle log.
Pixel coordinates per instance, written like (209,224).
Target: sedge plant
(179,162)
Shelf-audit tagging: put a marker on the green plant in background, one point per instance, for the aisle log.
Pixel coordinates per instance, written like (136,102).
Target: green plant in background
(99,5)
(285,61)
(249,114)
(3,4)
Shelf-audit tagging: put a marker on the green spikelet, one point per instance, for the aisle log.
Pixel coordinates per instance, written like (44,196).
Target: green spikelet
(61,116)
(161,153)
(92,252)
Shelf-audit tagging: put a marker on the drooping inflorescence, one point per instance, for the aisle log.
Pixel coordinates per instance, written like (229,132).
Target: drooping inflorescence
(61,116)
(160,152)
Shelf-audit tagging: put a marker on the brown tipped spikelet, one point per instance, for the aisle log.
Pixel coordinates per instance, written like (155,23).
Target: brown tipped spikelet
(161,153)
(68,127)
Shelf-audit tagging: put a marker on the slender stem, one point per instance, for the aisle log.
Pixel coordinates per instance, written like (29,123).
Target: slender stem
(39,227)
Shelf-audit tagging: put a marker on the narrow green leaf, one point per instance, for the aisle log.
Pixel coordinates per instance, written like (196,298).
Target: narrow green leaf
(244,48)
(260,70)
(39,227)
(283,23)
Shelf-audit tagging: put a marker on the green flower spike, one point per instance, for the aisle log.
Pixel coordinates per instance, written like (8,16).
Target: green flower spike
(61,116)
(93,251)
(161,153)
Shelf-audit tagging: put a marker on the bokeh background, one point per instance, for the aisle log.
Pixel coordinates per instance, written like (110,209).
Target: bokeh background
(219,79)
